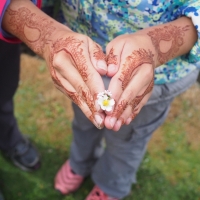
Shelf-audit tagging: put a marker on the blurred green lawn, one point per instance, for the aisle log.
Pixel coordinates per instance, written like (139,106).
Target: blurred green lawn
(170,169)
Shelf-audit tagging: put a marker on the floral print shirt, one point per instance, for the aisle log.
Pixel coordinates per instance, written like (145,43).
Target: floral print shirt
(103,20)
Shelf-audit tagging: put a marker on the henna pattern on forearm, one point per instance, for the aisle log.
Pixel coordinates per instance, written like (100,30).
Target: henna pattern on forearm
(111,58)
(138,99)
(171,34)
(136,59)
(23,22)
(119,109)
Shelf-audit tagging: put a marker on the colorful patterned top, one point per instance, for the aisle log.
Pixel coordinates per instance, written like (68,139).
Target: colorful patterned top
(103,20)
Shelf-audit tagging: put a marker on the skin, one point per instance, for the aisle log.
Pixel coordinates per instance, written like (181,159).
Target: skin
(137,55)
(75,62)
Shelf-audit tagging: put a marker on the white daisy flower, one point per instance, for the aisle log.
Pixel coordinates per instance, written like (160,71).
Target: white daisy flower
(105,100)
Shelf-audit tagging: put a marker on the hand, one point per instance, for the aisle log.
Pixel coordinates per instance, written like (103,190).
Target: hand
(132,58)
(75,62)
(131,66)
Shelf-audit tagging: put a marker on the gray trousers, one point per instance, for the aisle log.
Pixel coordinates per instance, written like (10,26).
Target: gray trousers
(115,170)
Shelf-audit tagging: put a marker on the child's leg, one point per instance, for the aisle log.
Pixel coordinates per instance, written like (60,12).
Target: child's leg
(116,170)
(86,143)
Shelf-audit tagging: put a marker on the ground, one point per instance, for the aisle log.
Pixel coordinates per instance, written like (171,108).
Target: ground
(170,169)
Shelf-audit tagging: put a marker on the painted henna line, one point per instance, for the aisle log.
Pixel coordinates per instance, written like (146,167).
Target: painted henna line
(71,46)
(111,58)
(170,34)
(119,109)
(72,95)
(134,115)
(98,53)
(138,99)
(87,97)
(136,59)
(122,120)
(23,22)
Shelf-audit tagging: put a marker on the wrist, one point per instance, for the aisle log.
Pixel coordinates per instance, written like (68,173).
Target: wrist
(32,26)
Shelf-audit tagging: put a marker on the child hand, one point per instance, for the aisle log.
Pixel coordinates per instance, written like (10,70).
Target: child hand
(130,60)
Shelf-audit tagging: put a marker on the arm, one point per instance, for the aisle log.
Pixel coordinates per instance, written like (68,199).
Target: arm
(132,59)
(72,58)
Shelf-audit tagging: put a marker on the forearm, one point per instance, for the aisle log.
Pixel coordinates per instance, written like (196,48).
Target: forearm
(25,21)
(170,40)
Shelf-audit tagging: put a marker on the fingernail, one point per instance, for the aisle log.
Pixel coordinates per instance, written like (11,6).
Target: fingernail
(128,121)
(98,120)
(118,124)
(112,68)
(112,121)
(102,65)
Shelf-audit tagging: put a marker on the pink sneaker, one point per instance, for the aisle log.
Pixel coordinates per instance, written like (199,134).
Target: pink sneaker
(98,194)
(66,181)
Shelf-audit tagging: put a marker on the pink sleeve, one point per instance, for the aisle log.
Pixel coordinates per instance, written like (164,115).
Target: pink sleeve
(6,36)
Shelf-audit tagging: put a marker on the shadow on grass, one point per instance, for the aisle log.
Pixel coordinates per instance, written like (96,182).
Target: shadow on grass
(18,185)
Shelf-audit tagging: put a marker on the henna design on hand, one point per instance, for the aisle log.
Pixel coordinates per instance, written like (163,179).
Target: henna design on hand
(136,59)
(87,97)
(98,53)
(111,58)
(171,34)
(72,47)
(122,120)
(134,115)
(138,99)
(24,22)
(120,109)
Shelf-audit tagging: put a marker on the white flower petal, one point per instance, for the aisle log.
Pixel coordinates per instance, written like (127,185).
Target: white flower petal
(103,107)
(108,108)
(112,102)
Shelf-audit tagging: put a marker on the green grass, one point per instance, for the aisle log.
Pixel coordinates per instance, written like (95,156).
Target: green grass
(169,171)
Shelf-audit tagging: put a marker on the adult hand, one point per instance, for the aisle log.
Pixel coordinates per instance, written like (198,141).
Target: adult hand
(75,62)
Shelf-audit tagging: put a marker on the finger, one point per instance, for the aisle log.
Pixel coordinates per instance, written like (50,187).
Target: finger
(129,100)
(98,58)
(70,62)
(133,108)
(113,58)
(129,67)
(73,54)
(96,118)
(137,109)
(128,115)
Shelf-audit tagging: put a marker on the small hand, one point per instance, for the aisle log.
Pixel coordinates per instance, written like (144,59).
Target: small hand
(75,64)
(131,66)
(74,60)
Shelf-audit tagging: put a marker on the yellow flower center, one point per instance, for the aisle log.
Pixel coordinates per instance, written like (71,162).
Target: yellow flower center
(105,102)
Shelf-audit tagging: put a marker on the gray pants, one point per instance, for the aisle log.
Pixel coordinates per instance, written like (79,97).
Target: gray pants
(115,170)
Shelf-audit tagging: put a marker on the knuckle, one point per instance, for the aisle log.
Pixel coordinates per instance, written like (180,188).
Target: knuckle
(57,60)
